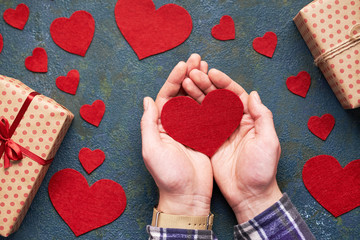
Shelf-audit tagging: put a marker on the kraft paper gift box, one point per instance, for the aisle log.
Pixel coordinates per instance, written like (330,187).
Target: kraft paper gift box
(33,126)
(331,30)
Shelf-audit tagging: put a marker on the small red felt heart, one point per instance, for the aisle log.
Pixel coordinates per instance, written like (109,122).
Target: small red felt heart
(321,127)
(1,43)
(74,34)
(150,31)
(203,127)
(38,62)
(299,84)
(337,189)
(225,30)
(85,208)
(17,18)
(94,113)
(69,83)
(266,45)
(90,160)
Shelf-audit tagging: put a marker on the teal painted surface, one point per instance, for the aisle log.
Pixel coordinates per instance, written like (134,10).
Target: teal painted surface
(112,72)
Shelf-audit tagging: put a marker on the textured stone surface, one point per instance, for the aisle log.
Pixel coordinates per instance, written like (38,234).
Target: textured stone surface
(112,72)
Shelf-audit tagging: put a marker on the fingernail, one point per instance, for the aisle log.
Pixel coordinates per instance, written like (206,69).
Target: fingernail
(256,97)
(146,104)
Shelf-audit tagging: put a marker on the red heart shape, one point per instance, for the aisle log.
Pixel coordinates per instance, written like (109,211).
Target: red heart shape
(74,34)
(203,127)
(85,208)
(1,43)
(150,31)
(225,30)
(337,189)
(299,84)
(94,113)
(90,160)
(17,18)
(321,127)
(266,45)
(69,83)
(38,62)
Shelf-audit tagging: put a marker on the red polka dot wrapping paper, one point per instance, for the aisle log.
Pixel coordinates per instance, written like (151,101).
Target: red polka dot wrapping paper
(41,131)
(324,24)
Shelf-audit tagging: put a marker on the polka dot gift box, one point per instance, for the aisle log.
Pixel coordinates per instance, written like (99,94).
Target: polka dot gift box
(32,127)
(331,30)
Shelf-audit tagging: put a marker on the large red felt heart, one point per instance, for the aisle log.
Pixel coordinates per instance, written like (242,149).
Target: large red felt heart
(1,43)
(225,30)
(74,34)
(38,62)
(69,83)
(85,208)
(321,127)
(94,113)
(203,127)
(299,84)
(150,31)
(337,189)
(90,160)
(266,45)
(17,18)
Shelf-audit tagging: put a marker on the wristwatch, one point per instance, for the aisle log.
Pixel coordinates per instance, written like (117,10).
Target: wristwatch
(165,220)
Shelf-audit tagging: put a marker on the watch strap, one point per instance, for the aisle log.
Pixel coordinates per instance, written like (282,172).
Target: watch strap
(164,220)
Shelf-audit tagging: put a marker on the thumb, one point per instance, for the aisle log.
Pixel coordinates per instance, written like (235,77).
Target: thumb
(264,123)
(149,127)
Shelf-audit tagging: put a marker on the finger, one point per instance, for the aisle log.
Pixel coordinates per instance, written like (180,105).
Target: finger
(192,90)
(264,123)
(202,81)
(172,85)
(194,62)
(223,81)
(149,128)
(204,67)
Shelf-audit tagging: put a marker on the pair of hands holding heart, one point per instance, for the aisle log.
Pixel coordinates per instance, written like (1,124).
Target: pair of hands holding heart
(244,167)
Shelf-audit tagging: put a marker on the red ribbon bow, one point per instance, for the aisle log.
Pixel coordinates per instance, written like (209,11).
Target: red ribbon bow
(10,149)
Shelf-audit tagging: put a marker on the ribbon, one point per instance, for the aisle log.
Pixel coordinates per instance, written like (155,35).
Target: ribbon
(353,40)
(10,149)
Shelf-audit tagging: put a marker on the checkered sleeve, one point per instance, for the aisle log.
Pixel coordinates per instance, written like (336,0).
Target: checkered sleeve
(156,233)
(280,221)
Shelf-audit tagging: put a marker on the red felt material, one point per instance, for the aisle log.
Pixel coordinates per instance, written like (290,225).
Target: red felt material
(1,42)
(266,45)
(150,31)
(18,17)
(203,127)
(337,189)
(299,84)
(38,62)
(90,160)
(74,34)
(321,127)
(94,113)
(70,83)
(225,30)
(85,208)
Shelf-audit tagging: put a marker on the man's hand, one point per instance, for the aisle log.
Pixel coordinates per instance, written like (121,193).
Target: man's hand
(184,177)
(245,165)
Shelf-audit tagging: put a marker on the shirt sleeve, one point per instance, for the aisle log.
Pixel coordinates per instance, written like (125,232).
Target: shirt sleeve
(280,221)
(156,233)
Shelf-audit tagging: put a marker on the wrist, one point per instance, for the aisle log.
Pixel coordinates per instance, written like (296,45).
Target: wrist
(254,205)
(178,204)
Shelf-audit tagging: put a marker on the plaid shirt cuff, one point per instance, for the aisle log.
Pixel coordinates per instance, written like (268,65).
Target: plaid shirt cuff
(280,221)
(156,233)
